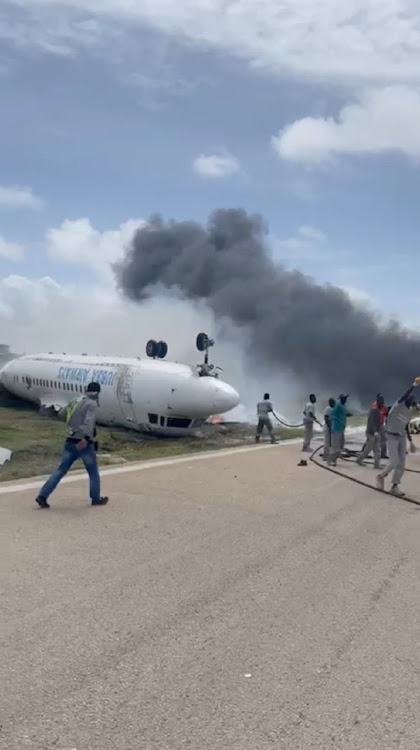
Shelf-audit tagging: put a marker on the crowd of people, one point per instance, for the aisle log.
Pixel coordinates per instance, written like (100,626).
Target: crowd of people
(387,432)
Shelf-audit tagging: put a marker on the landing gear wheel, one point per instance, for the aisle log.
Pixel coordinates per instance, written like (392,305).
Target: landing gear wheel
(202,342)
(161,349)
(151,348)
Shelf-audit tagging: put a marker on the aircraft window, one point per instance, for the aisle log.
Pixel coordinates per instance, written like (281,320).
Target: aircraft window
(153,418)
(55,384)
(178,422)
(71,386)
(162,421)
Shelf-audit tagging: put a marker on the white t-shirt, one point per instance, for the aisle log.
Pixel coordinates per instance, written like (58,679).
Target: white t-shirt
(309,412)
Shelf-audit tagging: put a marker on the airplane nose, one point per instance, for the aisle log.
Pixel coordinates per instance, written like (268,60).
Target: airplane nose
(225,397)
(202,396)
(216,396)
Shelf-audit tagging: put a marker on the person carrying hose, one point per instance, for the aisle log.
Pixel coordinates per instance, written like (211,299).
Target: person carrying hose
(309,418)
(264,409)
(397,433)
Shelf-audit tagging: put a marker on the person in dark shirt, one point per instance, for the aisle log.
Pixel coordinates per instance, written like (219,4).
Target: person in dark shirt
(338,426)
(373,437)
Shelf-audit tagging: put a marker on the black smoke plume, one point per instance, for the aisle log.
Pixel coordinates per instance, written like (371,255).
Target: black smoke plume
(291,322)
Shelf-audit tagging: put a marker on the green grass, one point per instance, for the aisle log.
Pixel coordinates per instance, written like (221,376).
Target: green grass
(37,441)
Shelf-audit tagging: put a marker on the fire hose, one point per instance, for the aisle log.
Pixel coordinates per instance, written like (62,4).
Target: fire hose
(332,470)
(291,426)
(350,456)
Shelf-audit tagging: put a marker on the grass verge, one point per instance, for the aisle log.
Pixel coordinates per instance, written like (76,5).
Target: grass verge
(37,441)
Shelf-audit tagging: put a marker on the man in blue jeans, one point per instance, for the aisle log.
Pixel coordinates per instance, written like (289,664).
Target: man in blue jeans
(81,430)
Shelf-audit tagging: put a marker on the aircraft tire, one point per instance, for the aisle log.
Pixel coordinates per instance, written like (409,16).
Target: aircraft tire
(161,349)
(151,348)
(202,342)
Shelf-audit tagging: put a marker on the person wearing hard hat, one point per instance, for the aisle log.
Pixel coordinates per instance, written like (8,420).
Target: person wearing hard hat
(80,443)
(397,433)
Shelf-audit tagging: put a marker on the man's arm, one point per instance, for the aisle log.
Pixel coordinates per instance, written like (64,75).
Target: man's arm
(89,422)
(313,416)
(409,392)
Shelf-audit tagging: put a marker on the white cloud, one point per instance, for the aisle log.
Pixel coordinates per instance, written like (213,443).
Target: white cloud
(10,250)
(78,242)
(39,313)
(311,233)
(360,297)
(307,244)
(19,197)
(382,120)
(357,40)
(215,166)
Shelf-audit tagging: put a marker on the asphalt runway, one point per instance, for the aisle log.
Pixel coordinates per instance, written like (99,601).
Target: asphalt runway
(236,602)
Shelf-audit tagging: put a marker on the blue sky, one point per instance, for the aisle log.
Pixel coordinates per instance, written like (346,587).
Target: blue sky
(107,106)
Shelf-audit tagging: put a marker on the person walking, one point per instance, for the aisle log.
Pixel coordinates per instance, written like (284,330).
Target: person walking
(80,444)
(264,409)
(383,413)
(397,432)
(373,438)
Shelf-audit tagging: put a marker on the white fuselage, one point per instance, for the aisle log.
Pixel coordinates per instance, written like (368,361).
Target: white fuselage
(146,395)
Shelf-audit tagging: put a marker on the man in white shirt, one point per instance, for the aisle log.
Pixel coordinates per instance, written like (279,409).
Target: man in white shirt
(309,417)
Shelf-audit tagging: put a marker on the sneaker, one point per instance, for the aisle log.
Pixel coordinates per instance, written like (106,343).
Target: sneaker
(395,490)
(101,501)
(380,482)
(42,502)
(360,463)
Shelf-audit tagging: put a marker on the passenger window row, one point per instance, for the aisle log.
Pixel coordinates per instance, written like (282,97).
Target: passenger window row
(55,384)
